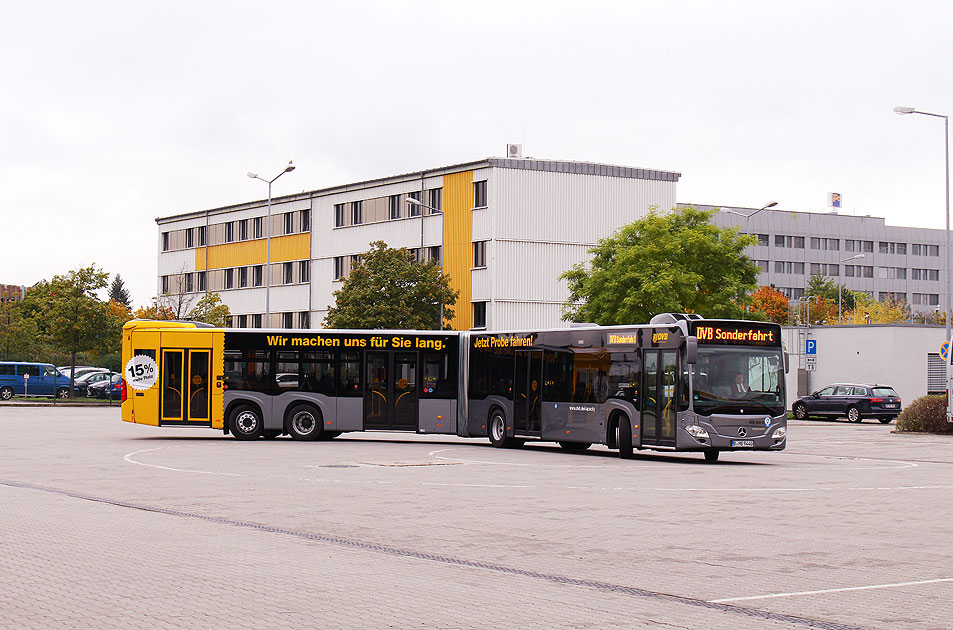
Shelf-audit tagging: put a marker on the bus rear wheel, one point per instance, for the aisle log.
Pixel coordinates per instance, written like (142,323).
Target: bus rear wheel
(245,423)
(304,422)
(624,438)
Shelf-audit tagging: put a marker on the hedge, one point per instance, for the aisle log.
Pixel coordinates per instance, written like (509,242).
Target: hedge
(927,413)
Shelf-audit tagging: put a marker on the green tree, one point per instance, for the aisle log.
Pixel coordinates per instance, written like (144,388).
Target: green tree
(119,293)
(664,262)
(824,287)
(68,314)
(211,310)
(389,289)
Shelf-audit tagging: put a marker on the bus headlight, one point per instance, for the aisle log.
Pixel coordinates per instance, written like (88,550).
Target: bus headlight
(696,431)
(779,433)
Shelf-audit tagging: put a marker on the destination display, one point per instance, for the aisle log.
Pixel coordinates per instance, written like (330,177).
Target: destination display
(740,333)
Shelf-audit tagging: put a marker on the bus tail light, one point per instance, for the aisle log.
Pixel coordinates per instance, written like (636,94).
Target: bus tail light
(122,397)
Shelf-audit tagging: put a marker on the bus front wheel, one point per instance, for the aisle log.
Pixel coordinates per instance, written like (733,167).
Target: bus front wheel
(304,422)
(245,423)
(496,430)
(711,455)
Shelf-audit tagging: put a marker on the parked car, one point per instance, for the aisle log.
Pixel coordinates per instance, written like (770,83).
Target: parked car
(851,400)
(106,388)
(22,378)
(79,370)
(82,383)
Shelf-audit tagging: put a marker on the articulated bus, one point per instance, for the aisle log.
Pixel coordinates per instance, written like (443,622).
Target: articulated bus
(679,383)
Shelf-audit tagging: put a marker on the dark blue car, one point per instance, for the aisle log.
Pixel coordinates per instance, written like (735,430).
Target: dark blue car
(854,401)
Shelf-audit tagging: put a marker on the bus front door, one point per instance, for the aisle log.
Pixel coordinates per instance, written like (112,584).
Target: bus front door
(527,389)
(185,392)
(658,403)
(390,394)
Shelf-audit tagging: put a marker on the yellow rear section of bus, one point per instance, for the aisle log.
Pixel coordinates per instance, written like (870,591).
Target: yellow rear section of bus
(173,373)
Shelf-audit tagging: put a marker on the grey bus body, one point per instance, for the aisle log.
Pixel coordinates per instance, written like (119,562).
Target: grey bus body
(679,383)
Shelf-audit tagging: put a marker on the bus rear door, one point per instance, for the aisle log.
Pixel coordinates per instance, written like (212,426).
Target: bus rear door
(190,388)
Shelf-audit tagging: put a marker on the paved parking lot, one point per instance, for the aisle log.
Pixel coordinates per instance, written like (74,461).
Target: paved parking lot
(108,524)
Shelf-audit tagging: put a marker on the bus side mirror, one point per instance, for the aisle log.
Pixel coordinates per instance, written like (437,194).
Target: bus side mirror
(691,350)
(787,362)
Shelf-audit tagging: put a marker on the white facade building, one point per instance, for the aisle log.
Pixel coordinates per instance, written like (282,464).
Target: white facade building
(504,229)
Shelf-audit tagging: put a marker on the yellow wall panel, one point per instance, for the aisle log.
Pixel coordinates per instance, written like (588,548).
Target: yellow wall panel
(283,248)
(457,247)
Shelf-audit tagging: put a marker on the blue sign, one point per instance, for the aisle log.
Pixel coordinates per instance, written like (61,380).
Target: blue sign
(810,346)
(945,350)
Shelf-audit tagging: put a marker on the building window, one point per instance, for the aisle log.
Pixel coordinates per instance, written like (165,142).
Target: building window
(165,241)
(242,277)
(892,273)
(355,261)
(851,245)
(394,204)
(257,224)
(479,254)
(188,283)
(289,222)
(243,230)
(786,266)
(188,238)
(304,319)
(479,314)
(414,254)
(825,269)
(858,271)
(924,274)
(305,218)
(202,231)
(479,194)
(892,248)
(288,273)
(241,321)
(256,320)
(230,232)
(165,285)
(922,249)
(414,208)
(258,275)
(762,240)
(434,253)
(795,242)
(892,296)
(357,212)
(825,243)
(926,299)
(287,320)
(201,280)
(229,278)
(338,214)
(339,270)
(304,271)
(763,265)
(436,200)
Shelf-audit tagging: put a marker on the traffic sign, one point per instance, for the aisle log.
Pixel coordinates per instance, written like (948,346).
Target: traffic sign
(945,350)
(811,360)
(812,367)
(810,346)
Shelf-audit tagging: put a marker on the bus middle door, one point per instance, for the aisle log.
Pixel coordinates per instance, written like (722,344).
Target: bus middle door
(527,392)
(185,388)
(659,399)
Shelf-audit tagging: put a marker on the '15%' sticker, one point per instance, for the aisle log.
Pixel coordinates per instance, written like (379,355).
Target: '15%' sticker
(141,372)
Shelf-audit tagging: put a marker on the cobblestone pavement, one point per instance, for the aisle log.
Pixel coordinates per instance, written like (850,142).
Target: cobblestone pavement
(107,524)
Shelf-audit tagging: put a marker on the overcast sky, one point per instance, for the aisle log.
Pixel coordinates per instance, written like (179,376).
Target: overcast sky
(115,113)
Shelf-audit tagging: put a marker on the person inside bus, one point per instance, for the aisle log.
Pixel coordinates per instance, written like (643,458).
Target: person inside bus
(738,388)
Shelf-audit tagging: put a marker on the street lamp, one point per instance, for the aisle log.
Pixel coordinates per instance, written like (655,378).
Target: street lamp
(417,202)
(840,286)
(903,111)
(748,216)
(288,169)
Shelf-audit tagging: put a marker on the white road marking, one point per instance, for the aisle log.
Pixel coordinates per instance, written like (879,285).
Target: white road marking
(129,459)
(830,590)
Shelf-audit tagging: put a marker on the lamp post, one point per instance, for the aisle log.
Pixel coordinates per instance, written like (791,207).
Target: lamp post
(748,216)
(271,181)
(899,109)
(809,298)
(840,286)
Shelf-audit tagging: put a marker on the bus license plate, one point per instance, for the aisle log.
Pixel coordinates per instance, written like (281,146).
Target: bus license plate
(742,444)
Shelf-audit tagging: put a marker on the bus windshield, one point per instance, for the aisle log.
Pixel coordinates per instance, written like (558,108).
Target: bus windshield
(738,380)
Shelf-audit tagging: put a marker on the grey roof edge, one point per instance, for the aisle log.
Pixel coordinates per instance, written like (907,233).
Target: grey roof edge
(585,168)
